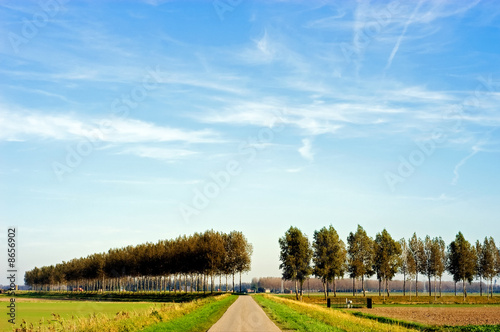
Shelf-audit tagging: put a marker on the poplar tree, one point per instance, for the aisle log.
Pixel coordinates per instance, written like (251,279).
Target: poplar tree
(439,247)
(416,249)
(489,259)
(461,261)
(406,258)
(360,257)
(295,257)
(387,258)
(329,257)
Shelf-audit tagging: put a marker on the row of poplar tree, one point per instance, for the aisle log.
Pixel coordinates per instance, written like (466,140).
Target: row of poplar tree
(152,266)
(384,257)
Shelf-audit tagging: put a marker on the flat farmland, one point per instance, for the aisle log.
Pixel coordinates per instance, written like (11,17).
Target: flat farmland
(440,315)
(40,311)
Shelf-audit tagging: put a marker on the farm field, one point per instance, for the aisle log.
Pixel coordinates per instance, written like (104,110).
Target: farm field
(181,312)
(36,310)
(422,313)
(442,315)
(399,299)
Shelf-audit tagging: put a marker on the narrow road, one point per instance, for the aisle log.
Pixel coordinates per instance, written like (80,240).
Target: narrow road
(244,315)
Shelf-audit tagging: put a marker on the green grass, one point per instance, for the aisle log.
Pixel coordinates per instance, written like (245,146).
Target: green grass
(33,312)
(288,319)
(199,320)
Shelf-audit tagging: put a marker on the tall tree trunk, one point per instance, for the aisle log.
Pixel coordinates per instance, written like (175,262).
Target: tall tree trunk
(240,281)
(325,286)
(416,284)
(301,289)
(480,285)
(226,283)
(363,284)
(465,289)
(296,290)
(430,289)
(353,286)
(233,282)
(440,277)
(435,294)
(404,283)
(379,285)
(387,287)
(455,288)
(334,287)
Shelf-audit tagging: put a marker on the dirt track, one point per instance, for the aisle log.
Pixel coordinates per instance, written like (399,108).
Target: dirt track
(441,316)
(244,315)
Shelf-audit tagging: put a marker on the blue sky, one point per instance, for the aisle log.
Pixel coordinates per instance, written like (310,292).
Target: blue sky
(139,121)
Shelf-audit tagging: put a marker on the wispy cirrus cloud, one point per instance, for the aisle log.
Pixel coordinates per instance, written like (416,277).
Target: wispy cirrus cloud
(158,153)
(32,126)
(401,36)
(146,181)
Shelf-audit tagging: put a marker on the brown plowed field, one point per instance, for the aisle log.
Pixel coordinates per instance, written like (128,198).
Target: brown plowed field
(440,315)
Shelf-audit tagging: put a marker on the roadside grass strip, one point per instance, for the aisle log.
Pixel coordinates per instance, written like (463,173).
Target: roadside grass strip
(294,315)
(122,320)
(287,318)
(198,320)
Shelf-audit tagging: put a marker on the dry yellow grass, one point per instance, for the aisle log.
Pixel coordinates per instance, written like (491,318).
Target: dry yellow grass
(337,318)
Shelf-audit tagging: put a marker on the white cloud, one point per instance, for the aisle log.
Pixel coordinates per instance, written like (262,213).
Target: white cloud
(134,131)
(27,126)
(475,149)
(163,154)
(401,36)
(148,181)
(306,149)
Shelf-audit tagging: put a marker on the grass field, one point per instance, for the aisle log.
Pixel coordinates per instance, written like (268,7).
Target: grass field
(34,311)
(42,312)
(198,320)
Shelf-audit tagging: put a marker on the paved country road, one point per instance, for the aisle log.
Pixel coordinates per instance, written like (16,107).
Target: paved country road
(244,315)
